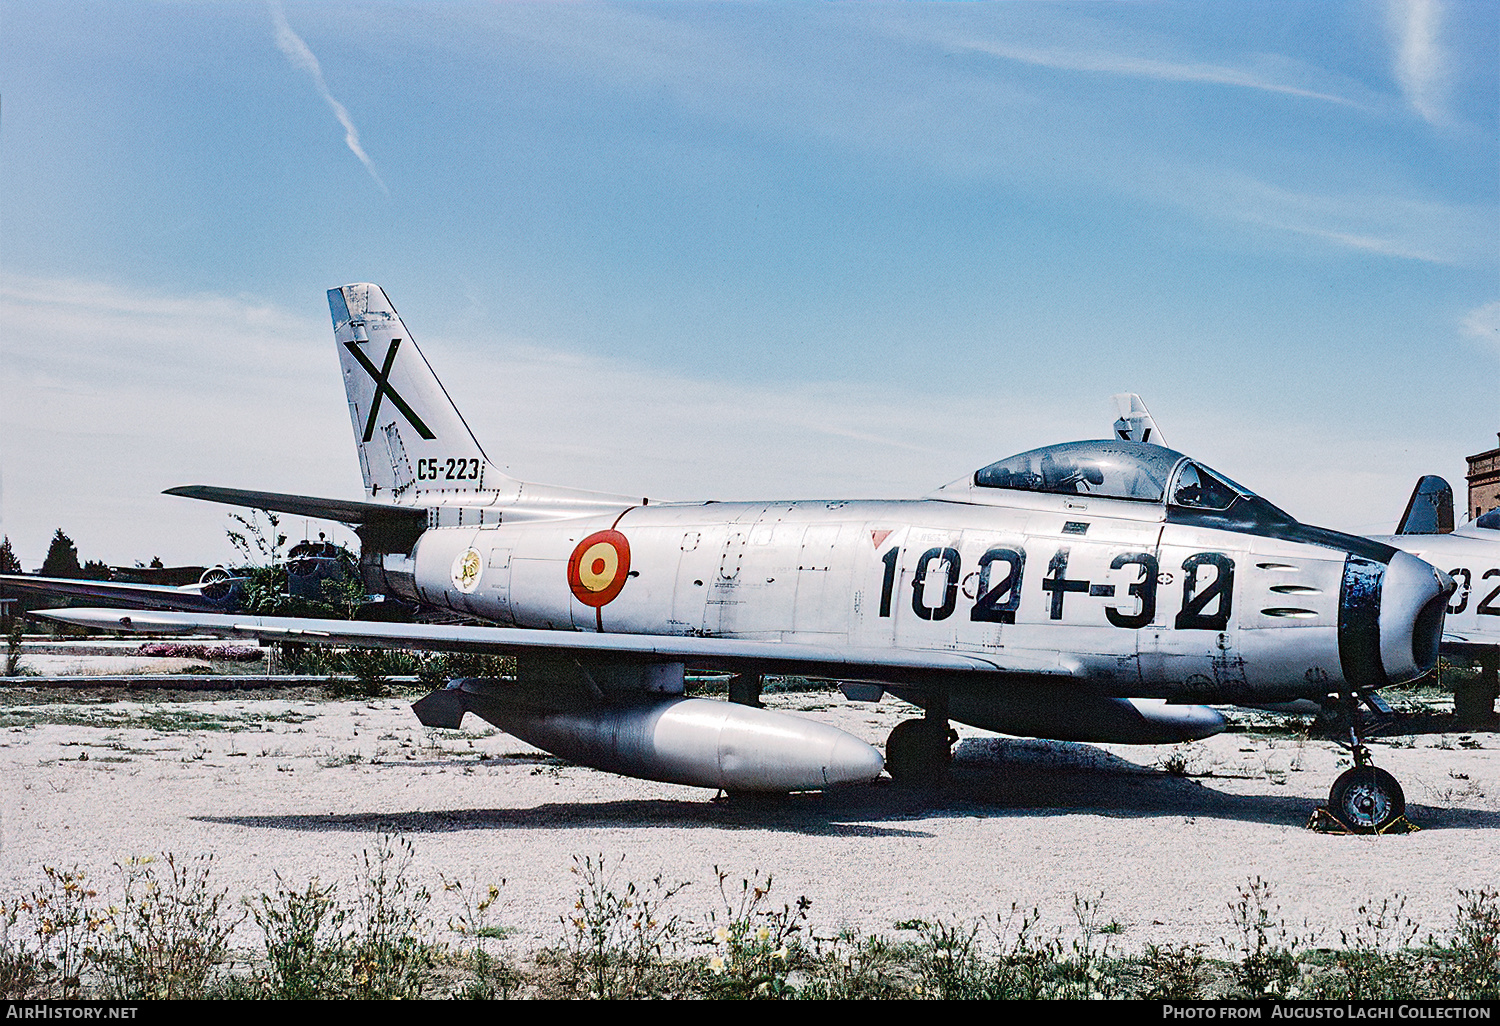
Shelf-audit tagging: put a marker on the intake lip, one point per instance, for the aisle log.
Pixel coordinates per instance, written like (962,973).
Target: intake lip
(1413,603)
(1390,619)
(1427,634)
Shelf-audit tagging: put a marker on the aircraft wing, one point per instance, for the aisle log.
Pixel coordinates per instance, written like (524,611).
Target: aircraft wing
(1462,646)
(833,661)
(186,599)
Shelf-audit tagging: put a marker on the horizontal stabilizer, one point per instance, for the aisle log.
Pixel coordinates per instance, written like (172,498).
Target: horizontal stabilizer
(346,511)
(380,526)
(134,595)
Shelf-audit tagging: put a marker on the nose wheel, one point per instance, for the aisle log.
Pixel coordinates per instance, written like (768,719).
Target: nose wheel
(1365,799)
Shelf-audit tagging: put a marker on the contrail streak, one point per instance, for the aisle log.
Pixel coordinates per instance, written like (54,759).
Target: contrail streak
(291,44)
(1421,60)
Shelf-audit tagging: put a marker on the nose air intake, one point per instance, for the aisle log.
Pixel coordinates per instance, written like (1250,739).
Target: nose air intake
(1390,619)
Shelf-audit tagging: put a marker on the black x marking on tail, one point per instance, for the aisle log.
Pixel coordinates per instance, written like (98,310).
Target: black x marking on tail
(383,388)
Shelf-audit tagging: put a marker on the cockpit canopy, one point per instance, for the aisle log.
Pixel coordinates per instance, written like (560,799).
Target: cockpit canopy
(1115,470)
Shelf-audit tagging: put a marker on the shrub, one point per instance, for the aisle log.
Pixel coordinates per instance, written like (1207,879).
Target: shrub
(305,944)
(616,937)
(172,932)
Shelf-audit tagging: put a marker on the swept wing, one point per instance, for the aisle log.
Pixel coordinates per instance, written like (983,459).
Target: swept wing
(840,662)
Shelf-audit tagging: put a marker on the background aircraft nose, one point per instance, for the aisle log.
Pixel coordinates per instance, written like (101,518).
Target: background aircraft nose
(1390,619)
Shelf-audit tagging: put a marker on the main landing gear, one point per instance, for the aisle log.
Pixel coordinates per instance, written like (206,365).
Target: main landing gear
(1365,799)
(920,751)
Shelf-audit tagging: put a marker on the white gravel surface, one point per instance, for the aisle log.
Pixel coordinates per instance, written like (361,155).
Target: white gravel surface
(301,788)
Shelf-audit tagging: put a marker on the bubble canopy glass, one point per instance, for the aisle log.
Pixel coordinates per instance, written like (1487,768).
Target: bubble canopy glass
(1114,470)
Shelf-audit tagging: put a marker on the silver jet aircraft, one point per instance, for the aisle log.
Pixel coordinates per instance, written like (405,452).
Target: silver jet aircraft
(1090,591)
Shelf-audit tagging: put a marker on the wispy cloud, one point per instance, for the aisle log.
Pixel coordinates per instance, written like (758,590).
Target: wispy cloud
(1483,323)
(296,51)
(1382,223)
(1104,62)
(1421,62)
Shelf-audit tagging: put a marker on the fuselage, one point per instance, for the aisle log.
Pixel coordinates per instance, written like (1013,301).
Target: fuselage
(1471,556)
(1144,604)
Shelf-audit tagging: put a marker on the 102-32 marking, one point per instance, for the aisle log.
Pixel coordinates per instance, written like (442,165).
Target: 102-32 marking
(997,592)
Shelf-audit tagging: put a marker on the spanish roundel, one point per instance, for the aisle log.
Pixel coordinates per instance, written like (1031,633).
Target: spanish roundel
(598,568)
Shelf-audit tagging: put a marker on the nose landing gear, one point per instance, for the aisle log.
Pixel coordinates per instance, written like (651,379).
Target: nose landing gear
(1364,799)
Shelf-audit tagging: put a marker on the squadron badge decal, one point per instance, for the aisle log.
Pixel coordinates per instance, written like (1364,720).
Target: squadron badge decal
(466,571)
(598,568)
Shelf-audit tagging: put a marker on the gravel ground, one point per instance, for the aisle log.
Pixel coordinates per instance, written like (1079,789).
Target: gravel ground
(301,788)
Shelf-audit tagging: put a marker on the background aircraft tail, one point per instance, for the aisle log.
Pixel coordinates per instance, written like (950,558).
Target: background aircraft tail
(1135,423)
(1430,508)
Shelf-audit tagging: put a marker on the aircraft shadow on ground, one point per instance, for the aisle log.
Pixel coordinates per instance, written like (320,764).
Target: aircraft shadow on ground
(991,778)
(995,776)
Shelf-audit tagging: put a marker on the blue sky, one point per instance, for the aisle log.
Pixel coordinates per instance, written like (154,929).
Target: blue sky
(744,251)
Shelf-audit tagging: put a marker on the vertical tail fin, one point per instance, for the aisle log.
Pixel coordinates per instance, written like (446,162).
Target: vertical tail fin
(414,445)
(1135,423)
(1430,508)
(411,438)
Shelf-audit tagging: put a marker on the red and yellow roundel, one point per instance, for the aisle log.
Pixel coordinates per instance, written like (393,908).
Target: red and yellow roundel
(598,568)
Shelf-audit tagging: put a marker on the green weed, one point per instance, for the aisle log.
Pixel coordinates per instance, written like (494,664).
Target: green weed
(1177,972)
(390,957)
(617,935)
(1267,965)
(171,934)
(53,933)
(304,941)
(492,977)
(1471,959)
(757,944)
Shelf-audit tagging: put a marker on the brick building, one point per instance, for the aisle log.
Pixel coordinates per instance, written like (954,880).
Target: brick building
(1484,482)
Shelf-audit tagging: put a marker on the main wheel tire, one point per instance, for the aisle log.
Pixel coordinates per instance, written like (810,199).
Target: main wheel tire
(1367,799)
(918,752)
